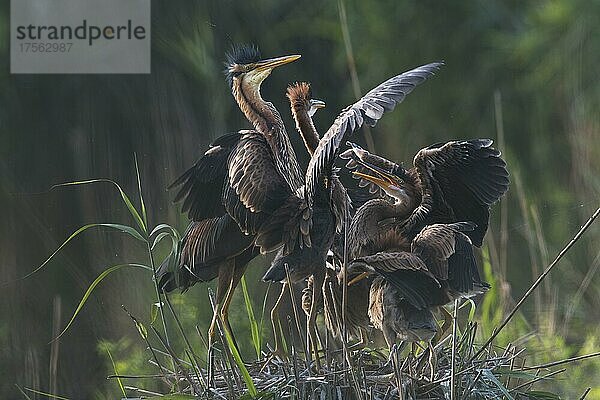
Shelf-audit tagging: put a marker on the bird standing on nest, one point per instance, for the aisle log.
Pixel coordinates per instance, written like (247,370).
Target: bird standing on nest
(307,222)
(422,265)
(241,180)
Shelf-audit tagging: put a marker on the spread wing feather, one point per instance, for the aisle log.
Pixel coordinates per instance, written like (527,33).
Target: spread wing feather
(201,186)
(406,272)
(369,109)
(468,176)
(254,189)
(435,244)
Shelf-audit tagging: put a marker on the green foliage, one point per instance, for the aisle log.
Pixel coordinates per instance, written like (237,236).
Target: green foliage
(256,338)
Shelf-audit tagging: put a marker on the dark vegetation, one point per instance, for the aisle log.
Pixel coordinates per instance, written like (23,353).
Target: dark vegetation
(523,74)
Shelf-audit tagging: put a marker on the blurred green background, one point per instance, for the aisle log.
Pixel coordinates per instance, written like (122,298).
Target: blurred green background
(527,69)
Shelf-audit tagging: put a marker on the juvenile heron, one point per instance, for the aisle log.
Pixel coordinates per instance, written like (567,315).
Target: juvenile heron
(452,182)
(306,224)
(409,284)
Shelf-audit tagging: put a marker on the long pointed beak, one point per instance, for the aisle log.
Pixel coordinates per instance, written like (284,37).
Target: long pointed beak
(317,103)
(381,177)
(358,278)
(376,180)
(275,62)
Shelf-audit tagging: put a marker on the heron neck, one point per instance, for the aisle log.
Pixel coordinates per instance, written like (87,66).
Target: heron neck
(306,127)
(267,120)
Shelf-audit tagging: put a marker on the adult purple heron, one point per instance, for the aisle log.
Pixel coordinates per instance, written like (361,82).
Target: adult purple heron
(240,181)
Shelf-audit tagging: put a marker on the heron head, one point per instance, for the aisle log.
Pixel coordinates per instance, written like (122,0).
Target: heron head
(244,63)
(300,96)
(392,184)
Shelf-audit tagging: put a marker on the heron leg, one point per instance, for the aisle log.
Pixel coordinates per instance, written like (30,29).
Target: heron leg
(446,325)
(311,321)
(279,351)
(224,280)
(237,274)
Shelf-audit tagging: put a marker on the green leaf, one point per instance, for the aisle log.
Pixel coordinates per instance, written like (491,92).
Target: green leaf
(122,228)
(91,288)
(471,309)
(139,181)
(158,238)
(116,372)
(256,339)
(240,364)
(141,329)
(126,200)
(154,313)
(491,377)
(52,396)
(176,396)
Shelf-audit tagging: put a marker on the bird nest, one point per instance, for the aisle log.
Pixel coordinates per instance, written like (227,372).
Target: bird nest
(462,370)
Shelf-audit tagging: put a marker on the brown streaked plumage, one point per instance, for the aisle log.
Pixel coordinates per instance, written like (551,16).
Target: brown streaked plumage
(303,108)
(238,183)
(322,196)
(459,179)
(297,221)
(454,181)
(410,283)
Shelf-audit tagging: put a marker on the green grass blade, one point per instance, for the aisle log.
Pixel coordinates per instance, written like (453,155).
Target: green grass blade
(262,313)
(134,213)
(52,396)
(471,309)
(119,227)
(116,372)
(91,288)
(240,364)
(158,238)
(22,392)
(256,339)
(166,226)
(139,182)
(492,378)
(159,227)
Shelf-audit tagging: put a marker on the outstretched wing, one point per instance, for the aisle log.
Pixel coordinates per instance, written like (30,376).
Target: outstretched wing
(460,181)
(201,186)
(368,110)
(254,189)
(406,272)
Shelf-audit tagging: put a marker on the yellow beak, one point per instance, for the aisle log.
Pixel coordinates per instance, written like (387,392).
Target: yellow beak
(275,62)
(317,103)
(376,180)
(358,278)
